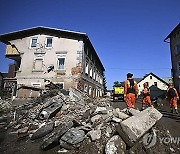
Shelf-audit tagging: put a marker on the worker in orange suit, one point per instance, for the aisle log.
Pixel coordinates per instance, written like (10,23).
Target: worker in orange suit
(146,96)
(173,97)
(130,91)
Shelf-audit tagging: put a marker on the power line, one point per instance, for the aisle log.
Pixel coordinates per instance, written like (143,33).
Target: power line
(139,68)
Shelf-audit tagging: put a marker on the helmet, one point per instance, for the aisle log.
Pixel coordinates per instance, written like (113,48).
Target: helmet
(129,75)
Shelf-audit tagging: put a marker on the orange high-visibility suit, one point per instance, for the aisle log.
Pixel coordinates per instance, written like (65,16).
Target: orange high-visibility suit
(130,92)
(146,97)
(172,99)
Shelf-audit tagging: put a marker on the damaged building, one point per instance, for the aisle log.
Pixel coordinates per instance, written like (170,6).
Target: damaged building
(47,55)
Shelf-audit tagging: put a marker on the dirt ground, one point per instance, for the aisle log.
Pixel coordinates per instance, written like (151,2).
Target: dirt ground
(9,144)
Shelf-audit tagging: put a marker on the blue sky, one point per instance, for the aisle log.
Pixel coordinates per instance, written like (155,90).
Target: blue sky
(127,34)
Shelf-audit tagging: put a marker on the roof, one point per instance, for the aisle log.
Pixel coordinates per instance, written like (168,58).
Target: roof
(155,77)
(137,79)
(178,26)
(4,75)
(5,38)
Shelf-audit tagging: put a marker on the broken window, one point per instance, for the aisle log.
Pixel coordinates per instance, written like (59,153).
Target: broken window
(61,63)
(33,42)
(38,63)
(49,42)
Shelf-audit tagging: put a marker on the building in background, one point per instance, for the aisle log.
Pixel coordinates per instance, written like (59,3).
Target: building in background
(174,39)
(157,85)
(44,55)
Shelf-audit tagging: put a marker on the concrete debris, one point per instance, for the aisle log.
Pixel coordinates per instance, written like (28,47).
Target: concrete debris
(53,139)
(117,113)
(42,131)
(95,134)
(77,123)
(51,110)
(73,136)
(137,125)
(133,111)
(115,145)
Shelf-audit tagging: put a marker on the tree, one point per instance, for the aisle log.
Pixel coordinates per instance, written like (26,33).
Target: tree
(118,84)
(104,84)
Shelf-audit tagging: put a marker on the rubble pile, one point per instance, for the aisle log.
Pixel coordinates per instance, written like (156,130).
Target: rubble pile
(78,124)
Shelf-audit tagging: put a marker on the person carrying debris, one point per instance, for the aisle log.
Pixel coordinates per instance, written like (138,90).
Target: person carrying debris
(146,96)
(173,97)
(130,91)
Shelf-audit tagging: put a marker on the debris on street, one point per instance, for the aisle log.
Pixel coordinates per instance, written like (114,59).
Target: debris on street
(71,122)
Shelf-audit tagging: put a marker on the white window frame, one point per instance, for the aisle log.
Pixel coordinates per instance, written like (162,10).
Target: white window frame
(32,42)
(38,57)
(90,90)
(86,68)
(47,43)
(61,57)
(36,83)
(86,88)
(90,72)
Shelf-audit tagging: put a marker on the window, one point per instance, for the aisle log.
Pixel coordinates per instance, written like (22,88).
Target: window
(49,42)
(91,72)
(86,70)
(94,75)
(178,66)
(150,77)
(85,88)
(61,63)
(155,84)
(38,63)
(90,90)
(33,42)
(177,49)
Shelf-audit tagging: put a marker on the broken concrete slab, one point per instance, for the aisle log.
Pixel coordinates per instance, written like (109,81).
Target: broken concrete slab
(66,145)
(115,145)
(73,136)
(42,131)
(53,138)
(137,125)
(133,111)
(115,119)
(117,113)
(51,110)
(100,110)
(96,118)
(95,134)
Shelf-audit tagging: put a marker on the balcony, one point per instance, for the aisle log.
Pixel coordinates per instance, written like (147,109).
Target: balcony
(12,52)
